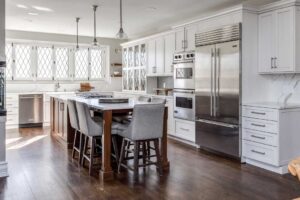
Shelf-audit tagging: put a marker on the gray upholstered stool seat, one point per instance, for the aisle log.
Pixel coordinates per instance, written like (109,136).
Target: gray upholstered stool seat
(146,126)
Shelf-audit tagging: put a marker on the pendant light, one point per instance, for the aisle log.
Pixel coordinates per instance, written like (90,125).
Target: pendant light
(95,42)
(121,34)
(77,36)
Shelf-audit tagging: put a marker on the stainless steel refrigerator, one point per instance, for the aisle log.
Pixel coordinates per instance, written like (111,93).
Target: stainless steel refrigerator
(217,84)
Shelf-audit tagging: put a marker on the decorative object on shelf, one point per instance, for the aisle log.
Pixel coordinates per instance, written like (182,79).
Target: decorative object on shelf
(164,91)
(95,42)
(121,34)
(116,69)
(77,36)
(85,87)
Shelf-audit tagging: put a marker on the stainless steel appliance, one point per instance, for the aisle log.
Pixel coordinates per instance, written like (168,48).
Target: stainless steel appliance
(184,104)
(31,110)
(217,86)
(184,70)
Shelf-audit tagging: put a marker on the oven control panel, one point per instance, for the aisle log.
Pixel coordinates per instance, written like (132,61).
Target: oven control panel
(184,57)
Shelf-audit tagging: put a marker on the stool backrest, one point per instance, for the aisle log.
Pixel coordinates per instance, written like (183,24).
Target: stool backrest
(147,121)
(144,99)
(73,114)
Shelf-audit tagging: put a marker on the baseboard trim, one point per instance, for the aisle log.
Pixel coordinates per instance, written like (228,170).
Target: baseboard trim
(3,169)
(279,170)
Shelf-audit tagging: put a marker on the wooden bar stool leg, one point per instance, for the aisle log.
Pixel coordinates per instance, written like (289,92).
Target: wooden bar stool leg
(115,146)
(156,146)
(84,149)
(92,151)
(144,154)
(136,158)
(122,155)
(74,144)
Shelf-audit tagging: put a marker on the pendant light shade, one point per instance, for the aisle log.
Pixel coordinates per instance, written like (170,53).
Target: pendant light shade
(95,42)
(121,34)
(77,36)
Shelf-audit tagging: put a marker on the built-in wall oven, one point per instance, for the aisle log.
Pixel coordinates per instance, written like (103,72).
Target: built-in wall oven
(184,104)
(184,70)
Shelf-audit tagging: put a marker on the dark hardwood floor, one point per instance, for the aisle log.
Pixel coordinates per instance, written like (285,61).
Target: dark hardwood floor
(40,168)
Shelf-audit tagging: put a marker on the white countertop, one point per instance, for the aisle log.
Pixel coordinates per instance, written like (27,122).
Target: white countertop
(273,105)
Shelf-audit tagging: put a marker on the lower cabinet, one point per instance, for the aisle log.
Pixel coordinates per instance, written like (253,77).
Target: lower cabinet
(12,107)
(185,130)
(270,136)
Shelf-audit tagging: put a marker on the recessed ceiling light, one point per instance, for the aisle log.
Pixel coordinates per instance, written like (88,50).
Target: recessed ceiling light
(40,8)
(22,6)
(34,14)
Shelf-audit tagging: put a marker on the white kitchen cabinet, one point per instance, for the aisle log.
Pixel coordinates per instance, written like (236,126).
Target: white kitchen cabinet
(12,107)
(170,105)
(169,51)
(185,38)
(185,130)
(46,110)
(279,41)
(270,135)
(156,56)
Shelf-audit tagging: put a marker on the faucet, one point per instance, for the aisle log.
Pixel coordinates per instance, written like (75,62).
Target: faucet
(56,86)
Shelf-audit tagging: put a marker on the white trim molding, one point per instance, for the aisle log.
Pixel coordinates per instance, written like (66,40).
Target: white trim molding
(3,169)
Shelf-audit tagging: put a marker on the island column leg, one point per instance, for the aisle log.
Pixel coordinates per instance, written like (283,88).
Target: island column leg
(106,172)
(164,143)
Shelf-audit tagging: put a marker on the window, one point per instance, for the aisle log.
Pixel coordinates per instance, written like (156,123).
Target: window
(45,63)
(51,62)
(23,61)
(62,63)
(81,63)
(8,53)
(97,63)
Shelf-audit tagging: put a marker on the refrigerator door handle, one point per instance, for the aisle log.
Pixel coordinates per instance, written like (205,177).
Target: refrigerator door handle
(212,82)
(232,126)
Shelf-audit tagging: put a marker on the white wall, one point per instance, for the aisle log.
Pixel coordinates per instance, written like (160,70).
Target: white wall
(115,84)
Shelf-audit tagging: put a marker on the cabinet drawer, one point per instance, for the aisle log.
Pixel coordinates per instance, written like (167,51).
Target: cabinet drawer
(12,111)
(185,130)
(260,137)
(260,125)
(260,113)
(260,152)
(13,97)
(12,119)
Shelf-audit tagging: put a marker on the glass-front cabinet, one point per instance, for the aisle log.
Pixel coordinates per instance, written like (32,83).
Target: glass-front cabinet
(134,68)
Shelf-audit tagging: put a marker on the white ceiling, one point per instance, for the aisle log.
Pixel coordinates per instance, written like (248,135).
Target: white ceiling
(141,17)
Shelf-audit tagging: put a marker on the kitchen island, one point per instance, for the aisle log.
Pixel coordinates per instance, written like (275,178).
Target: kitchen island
(61,129)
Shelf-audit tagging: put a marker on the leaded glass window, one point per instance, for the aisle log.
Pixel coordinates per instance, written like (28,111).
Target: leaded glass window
(62,63)
(81,64)
(23,61)
(45,62)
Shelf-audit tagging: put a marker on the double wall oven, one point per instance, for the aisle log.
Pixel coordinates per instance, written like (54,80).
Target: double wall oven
(184,86)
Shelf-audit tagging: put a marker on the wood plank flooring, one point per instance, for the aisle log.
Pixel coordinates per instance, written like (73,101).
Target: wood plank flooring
(40,168)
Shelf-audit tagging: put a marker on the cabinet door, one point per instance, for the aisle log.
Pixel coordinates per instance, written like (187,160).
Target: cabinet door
(46,112)
(180,35)
(151,57)
(169,51)
(266,42)
(170,105)
(284,39)
(160,51)
(190,37)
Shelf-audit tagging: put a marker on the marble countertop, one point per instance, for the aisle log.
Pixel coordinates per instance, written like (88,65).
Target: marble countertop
(272,105)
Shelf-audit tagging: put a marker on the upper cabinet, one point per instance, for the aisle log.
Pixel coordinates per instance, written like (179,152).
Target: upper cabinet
(169,51)
(185,38)
(279,41)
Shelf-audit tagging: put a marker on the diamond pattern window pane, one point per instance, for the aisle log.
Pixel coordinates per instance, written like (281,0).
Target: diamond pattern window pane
(62,63)
(125,84)
(143,80)
(97,63)
(81,64)
(136,79)
(8,53)
(23,55)
(44,69)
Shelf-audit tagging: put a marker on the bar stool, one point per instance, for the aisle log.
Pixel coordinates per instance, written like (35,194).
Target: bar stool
(75,125)
(92,130)
(143,128)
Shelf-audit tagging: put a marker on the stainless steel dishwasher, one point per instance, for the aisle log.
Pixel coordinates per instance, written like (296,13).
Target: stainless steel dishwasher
(31,110)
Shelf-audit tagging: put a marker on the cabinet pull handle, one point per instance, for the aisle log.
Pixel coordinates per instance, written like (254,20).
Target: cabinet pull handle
(258,125)
(258,113)
(275,62)
(184,129)
(258,137)
(272,65)
(258,152)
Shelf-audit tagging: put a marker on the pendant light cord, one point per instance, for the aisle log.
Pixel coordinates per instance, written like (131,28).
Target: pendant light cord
(95,39)
(77,37)
(121,15)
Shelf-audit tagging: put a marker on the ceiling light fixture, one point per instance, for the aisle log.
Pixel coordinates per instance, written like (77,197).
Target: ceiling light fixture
(77,36)
(121,34)
(22,6)
(40,8)
(33,14)
(95,42)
